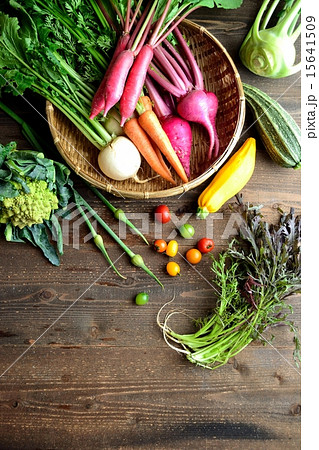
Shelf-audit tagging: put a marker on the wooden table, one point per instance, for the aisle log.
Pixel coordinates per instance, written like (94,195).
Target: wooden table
(100,374)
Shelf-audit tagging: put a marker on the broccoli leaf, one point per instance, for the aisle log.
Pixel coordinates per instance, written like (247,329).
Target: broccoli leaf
(41,239)
(7,190)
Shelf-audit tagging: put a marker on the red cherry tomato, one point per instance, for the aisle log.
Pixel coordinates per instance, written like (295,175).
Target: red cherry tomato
(160,245)
(205,245)
(162,214)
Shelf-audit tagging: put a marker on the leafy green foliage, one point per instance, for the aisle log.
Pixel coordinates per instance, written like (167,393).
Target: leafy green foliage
(18,170)
(57,54)
(253,277)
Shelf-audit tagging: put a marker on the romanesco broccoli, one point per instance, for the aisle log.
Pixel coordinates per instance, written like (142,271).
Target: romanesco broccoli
(28,208)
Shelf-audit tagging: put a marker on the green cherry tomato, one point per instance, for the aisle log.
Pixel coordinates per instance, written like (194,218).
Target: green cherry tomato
(187,231)
(141,298)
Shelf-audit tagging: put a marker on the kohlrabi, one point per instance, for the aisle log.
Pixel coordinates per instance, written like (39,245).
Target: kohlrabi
(270,52)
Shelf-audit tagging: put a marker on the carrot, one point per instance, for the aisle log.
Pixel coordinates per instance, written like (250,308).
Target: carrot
(160,157)
(137,135)
(146,103)
(152,126)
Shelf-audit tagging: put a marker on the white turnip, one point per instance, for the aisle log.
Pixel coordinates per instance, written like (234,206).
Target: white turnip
(120,160)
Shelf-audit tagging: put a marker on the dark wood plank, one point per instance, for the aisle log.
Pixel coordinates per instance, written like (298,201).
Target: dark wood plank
(91,370)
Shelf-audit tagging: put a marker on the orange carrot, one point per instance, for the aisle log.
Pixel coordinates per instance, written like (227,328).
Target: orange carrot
(146,103)
(135,132)
(160,157)
(150,123)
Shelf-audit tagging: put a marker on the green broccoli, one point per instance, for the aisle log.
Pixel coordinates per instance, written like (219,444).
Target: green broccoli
(33,204)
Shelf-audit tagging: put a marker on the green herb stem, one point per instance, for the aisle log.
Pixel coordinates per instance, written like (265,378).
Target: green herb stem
(98,240)
(118,213)
(134,258)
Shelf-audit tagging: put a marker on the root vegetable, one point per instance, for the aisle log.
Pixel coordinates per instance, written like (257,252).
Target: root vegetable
(120,160)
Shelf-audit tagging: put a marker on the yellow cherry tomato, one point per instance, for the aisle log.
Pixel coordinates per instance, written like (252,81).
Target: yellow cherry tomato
(173,268)
(172,248)
(193,256)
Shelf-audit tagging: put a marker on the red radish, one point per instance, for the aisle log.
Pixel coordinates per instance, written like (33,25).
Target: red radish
(177,129)
(98,102)
(135,82)
(195,107)
(179,133)
(213,102)
(116,80)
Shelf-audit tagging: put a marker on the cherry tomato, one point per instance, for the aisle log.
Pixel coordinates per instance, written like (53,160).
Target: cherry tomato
(205,245)
(172,248)
(162,214)
(173,268)
(187,231)
(141,298)
(193,256)
(160,245)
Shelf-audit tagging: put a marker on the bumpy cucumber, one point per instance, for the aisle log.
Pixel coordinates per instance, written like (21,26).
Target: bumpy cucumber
(277,129)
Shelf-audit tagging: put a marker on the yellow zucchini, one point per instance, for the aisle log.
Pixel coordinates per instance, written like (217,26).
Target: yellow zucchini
(229,180)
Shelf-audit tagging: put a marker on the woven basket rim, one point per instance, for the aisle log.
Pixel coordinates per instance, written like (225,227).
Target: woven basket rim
(180,189)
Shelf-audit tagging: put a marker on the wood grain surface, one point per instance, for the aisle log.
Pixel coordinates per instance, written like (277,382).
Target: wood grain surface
(85,368)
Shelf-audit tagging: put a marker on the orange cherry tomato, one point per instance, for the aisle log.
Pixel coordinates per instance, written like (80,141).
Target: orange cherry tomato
(160,245)
(193,256)
(172,248)
(173,269)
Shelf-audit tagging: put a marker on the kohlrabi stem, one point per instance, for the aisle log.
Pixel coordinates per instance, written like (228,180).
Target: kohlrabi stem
(289,18)
(268,14)
(118,213)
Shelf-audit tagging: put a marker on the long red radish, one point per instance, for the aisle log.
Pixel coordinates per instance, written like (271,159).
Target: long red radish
(116,80)
(135,82)
(138,136)
(98,102)
(151,124)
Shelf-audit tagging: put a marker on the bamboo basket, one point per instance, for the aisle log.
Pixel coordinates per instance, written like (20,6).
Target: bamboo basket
(220,76)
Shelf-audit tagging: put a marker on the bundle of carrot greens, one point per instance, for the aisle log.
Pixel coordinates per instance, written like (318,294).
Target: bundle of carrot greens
(253,277)
(93,58)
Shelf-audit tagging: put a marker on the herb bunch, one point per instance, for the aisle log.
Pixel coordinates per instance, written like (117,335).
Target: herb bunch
(253,278)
